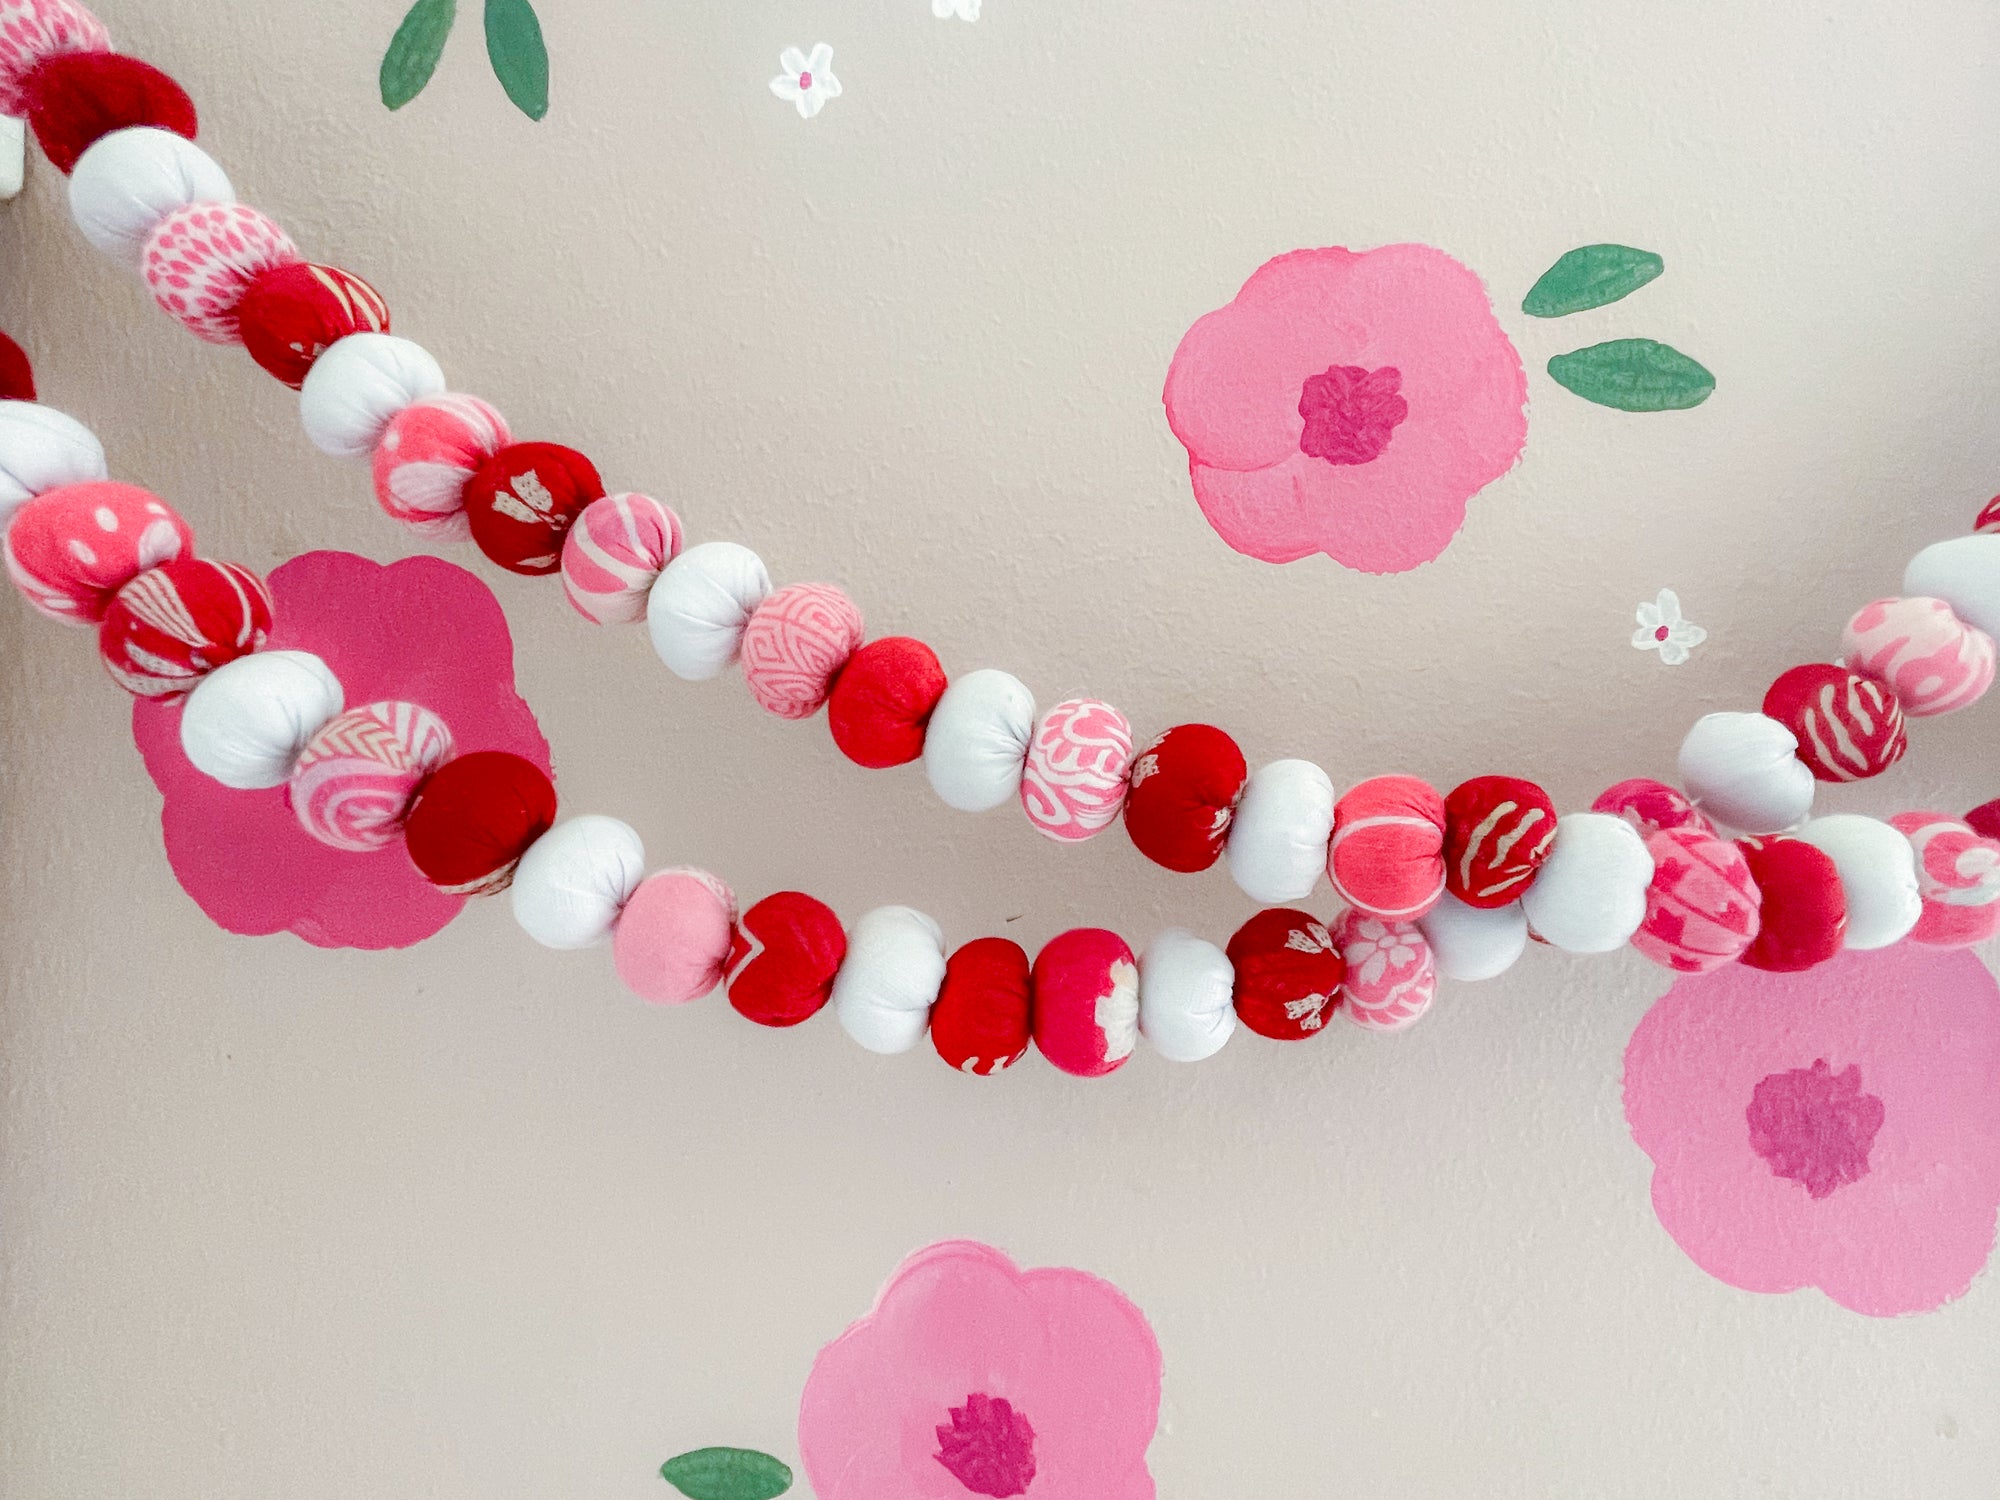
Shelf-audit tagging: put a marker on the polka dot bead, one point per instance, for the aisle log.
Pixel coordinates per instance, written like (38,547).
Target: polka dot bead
(75,99)
(475,817)
(1288,974)
(1849,727)
(1075,779)
(1391,976)
(1498,830)
(428,454)
(1802,909)
(1651,806)
(672,941)
(1702,906)
(984,1012)
(355,778)
(1086,986)
(174,624)
(783,959)
(613,555)
(1958,876)
(523,500)
(1387,854)
(1930,659)
(34,30)
(882,702)
(294,313)
(1182,797)
(71,550)
(797,641)
(202,259)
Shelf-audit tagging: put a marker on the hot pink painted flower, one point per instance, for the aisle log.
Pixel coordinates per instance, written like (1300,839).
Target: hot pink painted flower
(972,1377)
(1838,1128)
(1348,403)
(422,631)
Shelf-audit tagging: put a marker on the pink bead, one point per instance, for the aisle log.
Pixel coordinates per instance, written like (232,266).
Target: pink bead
(1958,874)
(797,641)
(614,552)
(1650,806)
(1391,975)
(1929,658)
(1386,857)
(1703,908)
(201,259)
(1074,783)
(427,453)
(32,31)
(1086,1002)
(71,549)
(355,779)
(671,944)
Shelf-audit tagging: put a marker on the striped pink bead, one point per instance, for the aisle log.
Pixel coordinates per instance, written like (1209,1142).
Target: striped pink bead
(355,779)
(613,554)
(797,641)
(201,259)
(427,453)
(1702,909)
(1075,779)
(1929,658)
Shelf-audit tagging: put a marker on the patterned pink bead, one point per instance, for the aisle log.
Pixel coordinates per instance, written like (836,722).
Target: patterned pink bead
(34,30)
(1958,873)
(1929,658)
(1703,908)
(201,259)
(427,453)
(1391,975)
(71,549)
(1074,783)
(797,641)
(1650,805)
(355,779)
(1989,517)
(614,552)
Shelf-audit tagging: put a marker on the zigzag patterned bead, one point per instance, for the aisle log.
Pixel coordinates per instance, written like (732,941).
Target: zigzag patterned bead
(355,779)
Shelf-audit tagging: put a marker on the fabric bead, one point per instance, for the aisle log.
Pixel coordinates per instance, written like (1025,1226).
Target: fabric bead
(125,184)
(1391,975)
(1187,996)
(356,777)
(522,501)
(475,817)
(1086,985)
(1958,876)
(1984,819)
(246,722)
(1849,727)
(1288,973)
(1878,876)
(33,32)
(976,745)
(200,261)
(70,550)
(890,980)
(574,880)
(1702,906)
(1278,840)
(294,313)
(427,455)
(984,1012)
(1474,942)
(1965,573)
(1802,911)
(883,700)
(673,937)
(1934,662)
(783,959)
(1651,806)
(172,625)
(1073,784)
(43,450)
(1988,520)
(1387,853)
(1498,830)
(1590,895)
(358,385)
(613,554)
(795,644)
(75,99)
(1744,770)
(17,373)
(1183,791)
(698,606)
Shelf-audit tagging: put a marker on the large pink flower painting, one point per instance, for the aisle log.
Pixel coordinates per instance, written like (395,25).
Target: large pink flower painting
(1837,1129)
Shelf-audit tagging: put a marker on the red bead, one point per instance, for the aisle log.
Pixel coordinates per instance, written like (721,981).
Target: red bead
(75,99)
(1086,1007)
(1984,819)
(882,702)
(1989,517)
(1803,911)
(1498,830)
(1849,727)
(523,500)
(1288,974)
(174,624)
(1183,794)
(475,817)
(1652,807)
(17,376)
(981,1021)
(783,957)
(293,314)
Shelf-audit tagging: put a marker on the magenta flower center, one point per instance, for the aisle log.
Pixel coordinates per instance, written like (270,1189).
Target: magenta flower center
(1815,1126)
(1662,634)
(806,79)
(988,1446)
(1350,412)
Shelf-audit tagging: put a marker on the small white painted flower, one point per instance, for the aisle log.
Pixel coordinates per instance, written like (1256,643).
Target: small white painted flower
(1376,947)
(965,10)
(807,82)
(1662,629)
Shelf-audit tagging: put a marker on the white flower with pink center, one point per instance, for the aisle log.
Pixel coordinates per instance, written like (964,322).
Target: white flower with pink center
(807,81)
(1662,629)
(965,10)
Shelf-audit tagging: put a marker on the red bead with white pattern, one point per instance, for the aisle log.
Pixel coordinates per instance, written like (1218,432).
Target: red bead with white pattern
(1849,727)
(174,624)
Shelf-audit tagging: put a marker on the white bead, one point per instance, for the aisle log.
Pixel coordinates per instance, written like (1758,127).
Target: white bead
(41,450)
(1878,875)
(359,385)
(698,606)
(1278,838)
(890,979)
(1965,573)
(574,880)
(976,744)
(131,179)
(1590,894)
(246,722)
(1472,942)
(1187,996)
(1744,770)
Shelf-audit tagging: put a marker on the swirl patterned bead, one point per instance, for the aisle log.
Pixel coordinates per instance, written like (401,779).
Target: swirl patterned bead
(1074,783)
(357,776)
(1929,658)
(797,641)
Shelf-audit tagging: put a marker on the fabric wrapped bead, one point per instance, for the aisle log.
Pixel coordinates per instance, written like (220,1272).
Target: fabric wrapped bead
(1183,791)
(294,313)
(672,942)
(1958,876)
(699,605)
(1965,573)
(43,450)
(474,819)
(1984,819)
(613,554)
(1652,807)
(125,184)
(1474,942)
(574,880)
(795,644)
(246,722)
(984,1012)
(1387,853)
(1590,895)
(427,455)
(1498,830)
(75,99)
(1086,1002)
(883,700)
(1988,520)
(358,385)
(201,260)
(174,624)
(1802,910)
(1391,975)
(1702,906)
(70,550)
(976,745)
(1878,876)
(783,959)
(1934,662)
(1278,839)
(34,32)
(1744,770)
(1187,996)
(1849,727)
(356,778)
(523,500)
(17,374)
(1074,782)
(1288,972)
(890,979)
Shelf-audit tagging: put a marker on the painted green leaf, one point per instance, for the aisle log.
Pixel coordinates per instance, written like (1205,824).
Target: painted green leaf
(415,49)
(727,1474)
(520,59)
(1634,375)
(1590,276)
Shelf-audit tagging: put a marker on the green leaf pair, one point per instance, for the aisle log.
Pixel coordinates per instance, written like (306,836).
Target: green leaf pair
(727,1474)
(514,46)
(1628,374)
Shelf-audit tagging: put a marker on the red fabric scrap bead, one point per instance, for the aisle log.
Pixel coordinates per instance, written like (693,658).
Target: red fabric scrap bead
(1849,727)
(1288,974)
(1183,795)
(1989,516)
(1984,819)
(1086,1007)
(75,99)
(17,375)
(522,501)
(174,624)
(783,957)
(1802,912)
(984,1010)
(473,819)
(293,314)
(1652,807)
(882,702)
(1498,830)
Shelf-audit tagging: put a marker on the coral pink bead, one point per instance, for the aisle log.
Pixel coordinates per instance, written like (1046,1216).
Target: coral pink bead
(1075,779)
(202,259)
(33,30)
(797,641)
(428,454)
(1650,806)
(672,941)
(355,779)
(1958,875)
(1849,727)
(1391,974)
(1702,907)
(1387,853)
(1086,986)
(71,549)
(1929,658)
(614,552)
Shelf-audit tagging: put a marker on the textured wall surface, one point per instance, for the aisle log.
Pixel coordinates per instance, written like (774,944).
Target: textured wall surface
(470,1221)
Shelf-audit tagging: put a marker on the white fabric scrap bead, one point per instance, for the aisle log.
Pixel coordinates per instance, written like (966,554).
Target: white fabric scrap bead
(890,979)
(1187,996)
(1878,875)
(1744,770)
(130,180)
(574,880)
(698,606)
(1277,840)
(359,385)
(1472,943)
(41,449)
(246,722)
(1965,573)
(976,745)
(1590,894)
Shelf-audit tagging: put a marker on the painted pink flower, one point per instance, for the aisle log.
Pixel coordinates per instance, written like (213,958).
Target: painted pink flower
(1838,1128)
(423,631)
(1348,403)
(972,1377)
